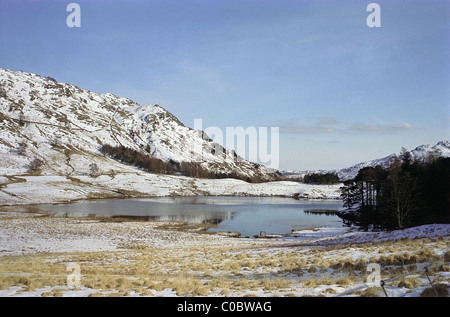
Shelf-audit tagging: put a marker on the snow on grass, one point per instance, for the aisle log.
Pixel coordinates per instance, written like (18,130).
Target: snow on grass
(424,231)
(238,187)
(317,233)
(11,165)
(49,188)
(140,259)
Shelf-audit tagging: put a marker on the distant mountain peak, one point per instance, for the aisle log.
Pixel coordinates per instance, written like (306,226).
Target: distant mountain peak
(441,149)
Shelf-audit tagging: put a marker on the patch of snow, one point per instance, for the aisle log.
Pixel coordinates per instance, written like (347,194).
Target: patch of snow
(428,231)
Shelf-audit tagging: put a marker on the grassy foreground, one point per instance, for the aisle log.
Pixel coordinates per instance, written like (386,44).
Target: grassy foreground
(212,266)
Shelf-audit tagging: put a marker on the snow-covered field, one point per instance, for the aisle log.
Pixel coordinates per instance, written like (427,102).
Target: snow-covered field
(19,190)
(143,259)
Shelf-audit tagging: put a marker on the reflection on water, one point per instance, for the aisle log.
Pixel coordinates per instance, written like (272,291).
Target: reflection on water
(247,215)
(188,219)
(326,212)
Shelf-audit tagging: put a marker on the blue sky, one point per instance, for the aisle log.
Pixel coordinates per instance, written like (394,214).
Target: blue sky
(339,91)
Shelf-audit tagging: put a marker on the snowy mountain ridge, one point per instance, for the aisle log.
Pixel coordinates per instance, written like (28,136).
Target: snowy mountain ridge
(441,149)
(64,126)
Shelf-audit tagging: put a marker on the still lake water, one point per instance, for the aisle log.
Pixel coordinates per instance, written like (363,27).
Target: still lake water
(247,215)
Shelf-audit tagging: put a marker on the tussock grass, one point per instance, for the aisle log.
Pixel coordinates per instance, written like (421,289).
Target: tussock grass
(30,273)
(245,284)
(200,291)
(371,292)
(118,219)
(424,255)
(349,265)
(181,285)
(444,268)
(410,282)
(441,289)
(275,284)
(251,264)
(232,266)
(331,291)
(187,227)
(53,293)
(225,292)
(105,294)
(447,256)
(316,282)
(344,281)
(145,292)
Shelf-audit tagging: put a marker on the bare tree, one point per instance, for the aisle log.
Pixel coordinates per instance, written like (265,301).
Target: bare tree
(93,169)
(400,193)
(2,91)
(36,166)
(22,148)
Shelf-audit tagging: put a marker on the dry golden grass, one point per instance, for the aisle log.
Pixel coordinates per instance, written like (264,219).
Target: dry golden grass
(344,281)
(225,292)
(184,226)
(57,292)
(133,271)
(424,255)
(244,284)
(145,292)
(371,292)
(200,291)
(232,266)
(30,272)
(444,268)
(349,265)
(320,281)
(447,256)
(106,294)
(118,219)
(275,284)
(410,282)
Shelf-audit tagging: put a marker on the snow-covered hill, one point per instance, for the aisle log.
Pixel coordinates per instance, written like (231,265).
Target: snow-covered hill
(51,133)
(441,149)
(64,126)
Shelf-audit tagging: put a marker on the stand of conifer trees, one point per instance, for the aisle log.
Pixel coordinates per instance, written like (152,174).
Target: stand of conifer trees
(408,193)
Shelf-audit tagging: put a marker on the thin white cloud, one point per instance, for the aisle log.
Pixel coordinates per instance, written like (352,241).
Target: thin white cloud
(295,128)
(382,128)
(321,125)
(328,125)
(326,121)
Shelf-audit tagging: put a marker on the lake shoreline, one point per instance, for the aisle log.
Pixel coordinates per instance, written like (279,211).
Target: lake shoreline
(48,189)
(142,259)
(242,216)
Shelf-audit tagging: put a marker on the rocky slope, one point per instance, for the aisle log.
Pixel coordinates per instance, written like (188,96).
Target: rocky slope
(64,126)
